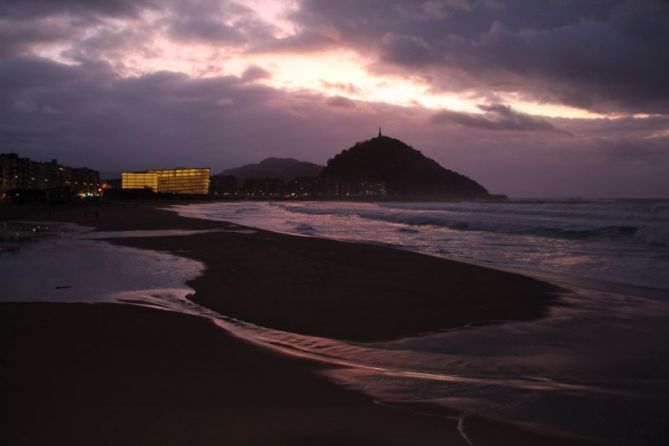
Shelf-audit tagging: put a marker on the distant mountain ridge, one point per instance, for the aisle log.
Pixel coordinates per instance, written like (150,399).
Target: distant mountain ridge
(285,169)
(404,171)
(379,168)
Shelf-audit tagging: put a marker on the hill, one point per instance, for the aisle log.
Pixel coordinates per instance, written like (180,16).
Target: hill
(404,171)
(285,169)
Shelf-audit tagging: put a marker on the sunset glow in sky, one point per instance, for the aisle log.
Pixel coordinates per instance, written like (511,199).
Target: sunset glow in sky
(554,98)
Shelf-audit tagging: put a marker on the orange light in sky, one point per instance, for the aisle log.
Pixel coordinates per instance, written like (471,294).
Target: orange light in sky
(337,72)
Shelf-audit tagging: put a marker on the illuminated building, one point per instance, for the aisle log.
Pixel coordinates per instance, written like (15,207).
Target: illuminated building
(174,181)
(17,173)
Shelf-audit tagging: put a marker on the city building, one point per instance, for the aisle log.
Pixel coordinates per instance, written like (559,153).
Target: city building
(193,181)
(335,187)
(224,185)
(17,173)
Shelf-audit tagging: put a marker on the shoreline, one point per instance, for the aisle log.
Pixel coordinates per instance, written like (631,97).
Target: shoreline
(326,288)
(266,254)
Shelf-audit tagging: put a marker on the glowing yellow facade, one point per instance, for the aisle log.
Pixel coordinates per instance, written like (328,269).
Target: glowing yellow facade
(176,181)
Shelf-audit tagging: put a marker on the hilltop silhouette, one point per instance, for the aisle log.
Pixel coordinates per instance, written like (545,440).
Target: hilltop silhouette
(285,169)
(397,167)
(379,168)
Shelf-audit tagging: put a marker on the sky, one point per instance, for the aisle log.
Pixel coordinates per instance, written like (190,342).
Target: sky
(531,98)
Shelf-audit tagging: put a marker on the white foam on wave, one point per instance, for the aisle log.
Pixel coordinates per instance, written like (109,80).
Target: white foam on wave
(624,242)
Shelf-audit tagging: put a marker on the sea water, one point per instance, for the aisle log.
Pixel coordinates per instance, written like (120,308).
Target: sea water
(618,241)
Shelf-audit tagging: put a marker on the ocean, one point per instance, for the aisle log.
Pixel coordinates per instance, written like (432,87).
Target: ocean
(597,366)
(615,241)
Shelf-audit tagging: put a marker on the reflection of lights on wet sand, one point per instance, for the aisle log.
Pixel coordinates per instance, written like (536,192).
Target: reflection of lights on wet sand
(567,261)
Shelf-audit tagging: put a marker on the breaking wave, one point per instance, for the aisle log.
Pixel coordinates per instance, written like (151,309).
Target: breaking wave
(620,241)
(647,223)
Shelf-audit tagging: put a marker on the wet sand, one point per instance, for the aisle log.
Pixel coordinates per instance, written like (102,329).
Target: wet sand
(117,374)
(321,287)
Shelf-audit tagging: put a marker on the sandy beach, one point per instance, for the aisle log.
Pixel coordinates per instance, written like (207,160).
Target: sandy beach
(120,374)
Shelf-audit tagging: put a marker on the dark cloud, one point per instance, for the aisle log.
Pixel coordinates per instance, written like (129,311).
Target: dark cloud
(28,25)
(405,50)
(304,42)
(496,117)
(340,101)
(599,55)
(108,29)
(205,29)
(214,22)
(602,55)
(86,114)
(22,9)
(593,65)
(31,74)
(118,47)
(367,21)
(255,73)
(20,37)
(627,149)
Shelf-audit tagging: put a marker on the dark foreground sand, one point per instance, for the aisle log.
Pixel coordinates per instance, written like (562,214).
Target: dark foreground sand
(118,374)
